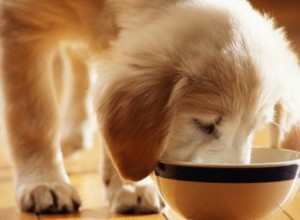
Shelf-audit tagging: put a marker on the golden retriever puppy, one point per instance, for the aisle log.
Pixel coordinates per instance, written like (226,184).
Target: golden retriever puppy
(181,79)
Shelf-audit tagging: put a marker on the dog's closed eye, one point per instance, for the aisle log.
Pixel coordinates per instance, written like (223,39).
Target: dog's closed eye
(207,128)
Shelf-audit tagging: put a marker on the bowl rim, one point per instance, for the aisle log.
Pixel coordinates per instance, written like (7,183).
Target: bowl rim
(240,166)
(233,173)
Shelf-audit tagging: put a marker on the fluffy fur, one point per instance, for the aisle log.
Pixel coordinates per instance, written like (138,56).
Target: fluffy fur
(180,79)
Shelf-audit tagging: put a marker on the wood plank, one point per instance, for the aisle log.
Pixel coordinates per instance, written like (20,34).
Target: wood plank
(7,195)
(101,213)
(293,208)
(13,214)
(90,189)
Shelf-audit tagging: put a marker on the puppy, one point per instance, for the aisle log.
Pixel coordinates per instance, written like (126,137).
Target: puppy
(181,79)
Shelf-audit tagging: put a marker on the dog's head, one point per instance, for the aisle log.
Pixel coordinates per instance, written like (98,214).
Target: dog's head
(194,88)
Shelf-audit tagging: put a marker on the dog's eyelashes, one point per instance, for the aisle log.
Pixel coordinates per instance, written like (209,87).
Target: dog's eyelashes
(208,128)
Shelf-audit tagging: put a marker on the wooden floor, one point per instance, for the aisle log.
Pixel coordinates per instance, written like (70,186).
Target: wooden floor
(82,167)
(83,170)
(84,176)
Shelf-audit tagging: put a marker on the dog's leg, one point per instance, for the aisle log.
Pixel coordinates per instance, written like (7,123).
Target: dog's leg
(128,197)
(31,118)
(74,105)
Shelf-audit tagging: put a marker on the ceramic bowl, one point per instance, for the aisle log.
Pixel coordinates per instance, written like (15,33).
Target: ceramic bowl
(220,191)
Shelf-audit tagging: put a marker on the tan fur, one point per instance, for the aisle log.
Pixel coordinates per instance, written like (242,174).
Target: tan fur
(167,70)
(137,120)
(292,140)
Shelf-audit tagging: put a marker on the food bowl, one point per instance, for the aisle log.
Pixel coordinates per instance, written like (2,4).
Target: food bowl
(235,191)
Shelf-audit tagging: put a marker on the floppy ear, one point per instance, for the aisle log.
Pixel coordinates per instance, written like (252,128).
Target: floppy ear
(136,116)
(285,131)
(292,139)
(277,131)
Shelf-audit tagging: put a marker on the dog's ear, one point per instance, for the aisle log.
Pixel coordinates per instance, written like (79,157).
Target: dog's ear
(277,127)
(136,116)
(292,139)
(285,130)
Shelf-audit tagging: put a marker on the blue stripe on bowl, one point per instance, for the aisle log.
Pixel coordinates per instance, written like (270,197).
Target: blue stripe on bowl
(227,175)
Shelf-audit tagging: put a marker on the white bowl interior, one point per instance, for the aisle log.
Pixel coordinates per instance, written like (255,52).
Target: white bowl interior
(271,155)
(260,157)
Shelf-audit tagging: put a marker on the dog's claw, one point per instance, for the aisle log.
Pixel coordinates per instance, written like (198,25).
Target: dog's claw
(137,200)
(49,198)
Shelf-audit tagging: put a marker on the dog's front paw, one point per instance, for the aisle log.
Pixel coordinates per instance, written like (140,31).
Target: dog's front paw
(48,198)
(134,199)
